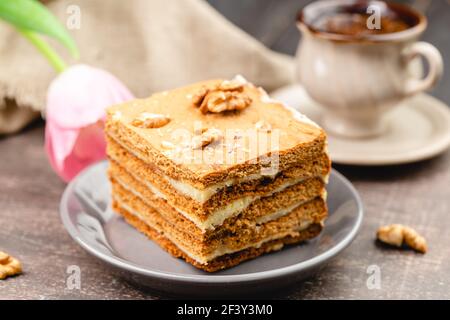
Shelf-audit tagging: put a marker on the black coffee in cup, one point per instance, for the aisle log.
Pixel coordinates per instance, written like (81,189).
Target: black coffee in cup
(359,19)
(356,72)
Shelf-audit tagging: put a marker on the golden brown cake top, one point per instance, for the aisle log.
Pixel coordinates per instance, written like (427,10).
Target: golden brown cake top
(214,125)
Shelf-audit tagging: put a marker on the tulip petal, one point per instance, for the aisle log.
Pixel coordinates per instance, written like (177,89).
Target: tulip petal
(76,103)
(80,95)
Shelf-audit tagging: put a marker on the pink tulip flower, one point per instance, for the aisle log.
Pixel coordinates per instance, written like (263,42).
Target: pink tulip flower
(75,114)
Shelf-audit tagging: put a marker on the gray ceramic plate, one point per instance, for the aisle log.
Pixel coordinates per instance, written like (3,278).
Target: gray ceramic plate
(87,215)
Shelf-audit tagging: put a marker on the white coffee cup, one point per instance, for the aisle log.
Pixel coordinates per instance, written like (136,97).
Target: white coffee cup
(358,78)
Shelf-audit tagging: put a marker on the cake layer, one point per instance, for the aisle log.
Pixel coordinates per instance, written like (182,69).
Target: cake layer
(203,253)
(286,134)
(225,242)
(220,193)
(227,239)
(227,260)
(256,207)
(234,226)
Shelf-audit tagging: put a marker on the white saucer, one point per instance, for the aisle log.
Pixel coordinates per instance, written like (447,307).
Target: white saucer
(417,129)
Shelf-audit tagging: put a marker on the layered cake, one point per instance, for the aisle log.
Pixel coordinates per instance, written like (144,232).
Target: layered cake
(217,172)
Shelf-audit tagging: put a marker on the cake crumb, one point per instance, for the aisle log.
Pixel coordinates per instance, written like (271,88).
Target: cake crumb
(398,234)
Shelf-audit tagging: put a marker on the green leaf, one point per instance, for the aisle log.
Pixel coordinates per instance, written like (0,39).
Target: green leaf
(47,51)
(34,16)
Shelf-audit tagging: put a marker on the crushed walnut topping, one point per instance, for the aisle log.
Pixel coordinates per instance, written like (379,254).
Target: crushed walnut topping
(229,95)
(197,98)
(149,120)
(9,266)
(206,138)
(263,126)
(231,85)
(167,145)
(200,130)
(220,101)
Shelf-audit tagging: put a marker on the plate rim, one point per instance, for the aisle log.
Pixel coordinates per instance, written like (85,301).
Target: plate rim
(439,146)
(123,264)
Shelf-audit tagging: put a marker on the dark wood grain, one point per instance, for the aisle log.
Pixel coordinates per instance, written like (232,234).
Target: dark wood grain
(31,230)
(416,194)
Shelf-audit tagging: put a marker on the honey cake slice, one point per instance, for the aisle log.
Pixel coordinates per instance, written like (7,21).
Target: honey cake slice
(217,172)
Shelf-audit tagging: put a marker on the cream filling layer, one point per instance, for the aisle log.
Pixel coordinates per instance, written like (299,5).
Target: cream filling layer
(217,217)
(204,195)
(201,195)
(279,213)
(220,250)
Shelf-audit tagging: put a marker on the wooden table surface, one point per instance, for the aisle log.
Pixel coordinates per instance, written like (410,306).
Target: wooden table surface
(414,194)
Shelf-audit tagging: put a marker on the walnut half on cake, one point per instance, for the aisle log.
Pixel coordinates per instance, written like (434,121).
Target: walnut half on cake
(216,172)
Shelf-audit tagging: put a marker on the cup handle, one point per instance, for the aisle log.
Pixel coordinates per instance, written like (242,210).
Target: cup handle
(435,63)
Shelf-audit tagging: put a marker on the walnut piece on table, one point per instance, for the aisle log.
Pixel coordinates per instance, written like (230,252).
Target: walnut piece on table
(9,266)
(397,235)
